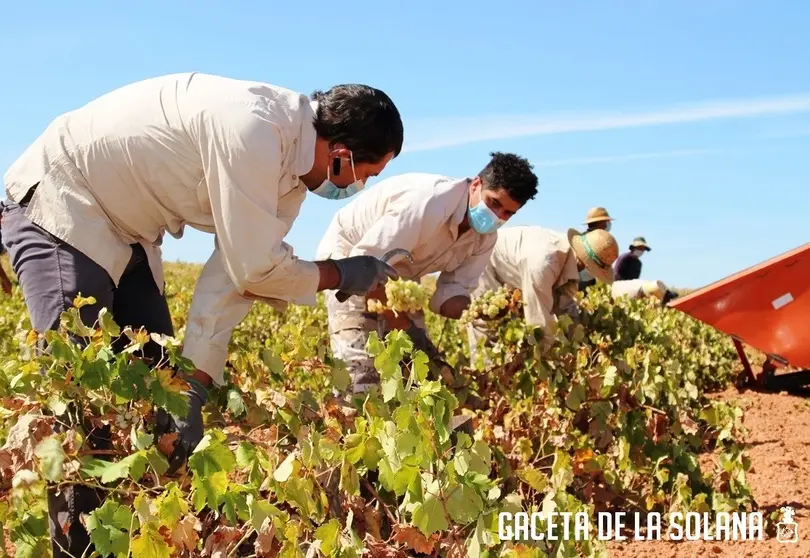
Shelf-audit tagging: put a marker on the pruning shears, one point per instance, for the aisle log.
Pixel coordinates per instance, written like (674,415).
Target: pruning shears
(343,297)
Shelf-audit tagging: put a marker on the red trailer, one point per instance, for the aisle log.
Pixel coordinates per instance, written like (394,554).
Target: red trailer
(765,307)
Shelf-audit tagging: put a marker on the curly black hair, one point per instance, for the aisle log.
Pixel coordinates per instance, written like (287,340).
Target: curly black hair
(512,173)
(362,118)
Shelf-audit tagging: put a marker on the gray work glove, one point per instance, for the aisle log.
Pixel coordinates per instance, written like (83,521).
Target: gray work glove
(359,275)
(189,428)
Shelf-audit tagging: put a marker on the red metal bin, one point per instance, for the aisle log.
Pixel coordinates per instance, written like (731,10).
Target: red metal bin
(767,307)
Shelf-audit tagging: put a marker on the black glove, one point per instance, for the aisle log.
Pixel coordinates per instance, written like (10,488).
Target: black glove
(668,296)
(189,428)
(359,275)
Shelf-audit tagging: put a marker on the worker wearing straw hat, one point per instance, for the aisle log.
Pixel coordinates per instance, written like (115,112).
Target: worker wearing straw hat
(628,265)
(544,265)
(598,218)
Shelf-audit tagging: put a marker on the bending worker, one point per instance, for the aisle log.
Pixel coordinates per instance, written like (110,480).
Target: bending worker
(447,224)
(92,197)
(545,266)
(627,271)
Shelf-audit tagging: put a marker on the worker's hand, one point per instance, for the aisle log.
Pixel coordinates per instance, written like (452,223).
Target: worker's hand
(359,275)
(188,428)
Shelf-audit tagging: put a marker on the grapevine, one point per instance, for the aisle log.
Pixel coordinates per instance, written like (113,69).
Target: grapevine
(490,304)
(286,468)
(402,295)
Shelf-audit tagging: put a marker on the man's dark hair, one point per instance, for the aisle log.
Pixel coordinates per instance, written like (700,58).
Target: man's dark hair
(512,173)
(362,118)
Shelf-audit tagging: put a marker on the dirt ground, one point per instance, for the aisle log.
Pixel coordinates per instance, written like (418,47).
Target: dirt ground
(778,445)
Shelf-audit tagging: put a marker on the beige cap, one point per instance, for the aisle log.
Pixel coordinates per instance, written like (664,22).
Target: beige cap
(596,215)
(597,250)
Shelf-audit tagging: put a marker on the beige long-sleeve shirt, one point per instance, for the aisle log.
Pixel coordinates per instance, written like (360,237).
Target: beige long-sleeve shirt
(420,213)
(217,154)
(539,262)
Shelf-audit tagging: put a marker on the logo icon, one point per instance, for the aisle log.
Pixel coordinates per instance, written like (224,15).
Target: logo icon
(787,530)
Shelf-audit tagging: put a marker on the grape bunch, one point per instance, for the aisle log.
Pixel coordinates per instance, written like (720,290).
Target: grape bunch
(126,419)
(490,304)
(403,295)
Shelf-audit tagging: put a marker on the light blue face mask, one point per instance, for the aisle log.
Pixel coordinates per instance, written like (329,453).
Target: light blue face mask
(482,219)
(331,191)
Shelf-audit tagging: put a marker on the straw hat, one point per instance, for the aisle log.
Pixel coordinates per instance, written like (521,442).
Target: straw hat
(639,242)
(597,215)
(597,250)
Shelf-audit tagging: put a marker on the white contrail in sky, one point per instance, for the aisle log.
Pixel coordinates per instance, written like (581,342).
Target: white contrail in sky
(437,133)
(577,161)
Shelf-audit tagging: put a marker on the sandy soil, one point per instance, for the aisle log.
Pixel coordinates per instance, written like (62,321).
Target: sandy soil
(778,445)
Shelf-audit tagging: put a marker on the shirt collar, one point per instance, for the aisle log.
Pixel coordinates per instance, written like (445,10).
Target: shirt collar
(305,154)
(463,204)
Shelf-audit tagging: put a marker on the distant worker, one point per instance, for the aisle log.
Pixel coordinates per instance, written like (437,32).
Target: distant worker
(447,224)
(596,219)
(628,266)
(627,272)
(545,265)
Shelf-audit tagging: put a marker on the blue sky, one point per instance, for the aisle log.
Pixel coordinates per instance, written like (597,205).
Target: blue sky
(688,120)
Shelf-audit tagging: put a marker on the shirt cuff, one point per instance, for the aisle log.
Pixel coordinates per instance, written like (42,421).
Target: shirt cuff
(207,357)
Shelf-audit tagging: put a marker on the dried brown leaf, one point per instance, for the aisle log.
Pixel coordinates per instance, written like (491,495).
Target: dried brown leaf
(373,519)
(18,451)
(414,539)
(219,543)
(265,545)
(379,549)
(186,533)
(167,442)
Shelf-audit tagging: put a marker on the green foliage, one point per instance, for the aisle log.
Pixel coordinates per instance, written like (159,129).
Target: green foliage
(612,416)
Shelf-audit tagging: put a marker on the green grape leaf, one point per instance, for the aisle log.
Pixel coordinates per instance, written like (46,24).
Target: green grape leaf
(208,490)
(429,516)
(211,456)
(150,544)
(236,404)
(51,458)
(109,528)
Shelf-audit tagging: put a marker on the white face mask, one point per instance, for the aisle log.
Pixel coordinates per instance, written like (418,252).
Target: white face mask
(638,253)
(331,191)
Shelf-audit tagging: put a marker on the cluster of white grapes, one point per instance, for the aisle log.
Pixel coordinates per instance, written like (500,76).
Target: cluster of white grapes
(128,418)
(488,305)
(403,295)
